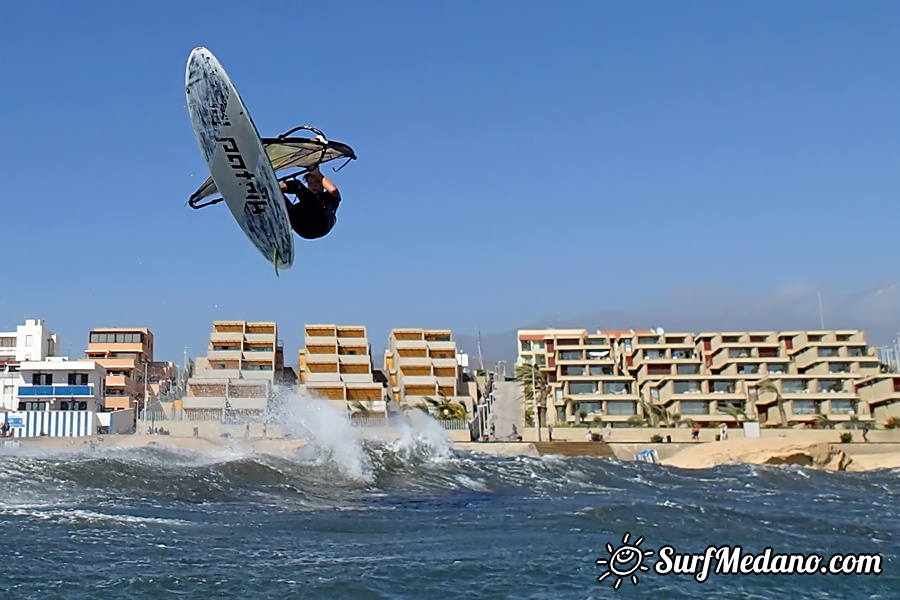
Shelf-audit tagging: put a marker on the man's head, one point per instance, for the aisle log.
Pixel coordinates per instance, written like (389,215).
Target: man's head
(313,179)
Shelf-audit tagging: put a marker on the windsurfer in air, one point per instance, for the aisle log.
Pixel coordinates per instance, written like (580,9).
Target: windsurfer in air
(314,213)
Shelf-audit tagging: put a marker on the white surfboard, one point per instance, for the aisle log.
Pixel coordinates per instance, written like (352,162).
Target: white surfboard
(237,161)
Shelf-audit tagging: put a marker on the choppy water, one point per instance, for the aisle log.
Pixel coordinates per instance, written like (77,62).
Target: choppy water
(411,519)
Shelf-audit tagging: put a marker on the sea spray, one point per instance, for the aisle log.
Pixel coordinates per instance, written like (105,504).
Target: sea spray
(331,436)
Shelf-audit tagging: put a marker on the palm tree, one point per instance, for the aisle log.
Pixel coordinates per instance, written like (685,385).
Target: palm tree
(651,414)
(536,393)
(445,409)
(582,415)
(735,412)
(767,386)
(360,410)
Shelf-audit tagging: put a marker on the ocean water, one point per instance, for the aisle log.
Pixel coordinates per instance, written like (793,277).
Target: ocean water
(411,518)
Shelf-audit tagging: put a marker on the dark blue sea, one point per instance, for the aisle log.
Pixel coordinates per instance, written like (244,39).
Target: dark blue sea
(413,519)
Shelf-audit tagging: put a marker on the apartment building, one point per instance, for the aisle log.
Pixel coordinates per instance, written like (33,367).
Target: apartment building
(58,384)
(336,364)
(32,341)
(237,377)
(126,353)
(423,363)
(706,377)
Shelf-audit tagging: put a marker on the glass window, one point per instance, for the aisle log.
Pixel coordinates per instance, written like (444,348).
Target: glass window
(597,354)
(682,354)
(648,340)
(526,345)
(620,407)
(29,340)
(582,387)
(694,407)
(601,370)
(776,367)
(653,354)
(748,369)
(825,352)
(588,407)
(723,406)
(806,407)
(688,369)
(831,385)
(723,387)
(573,370)
(570,355)
(687,387)
(616,387)
(842,407)
(794,386)
(839,367)
(738,353)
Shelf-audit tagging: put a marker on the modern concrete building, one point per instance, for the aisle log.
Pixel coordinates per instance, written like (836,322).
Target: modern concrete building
(126,353)
(236,379)
(60,384)
(32,341)
(706,377)
(336,364)
(424,363)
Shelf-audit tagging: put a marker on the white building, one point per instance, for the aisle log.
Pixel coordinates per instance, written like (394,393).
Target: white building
(31,341)
(60,384)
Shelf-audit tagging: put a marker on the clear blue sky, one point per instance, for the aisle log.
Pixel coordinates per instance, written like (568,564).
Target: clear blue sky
(516,159)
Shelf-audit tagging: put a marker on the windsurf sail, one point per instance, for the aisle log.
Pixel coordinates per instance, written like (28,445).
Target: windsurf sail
(286,153)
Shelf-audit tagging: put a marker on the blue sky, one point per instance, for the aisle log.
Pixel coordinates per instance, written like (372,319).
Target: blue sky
(517,160)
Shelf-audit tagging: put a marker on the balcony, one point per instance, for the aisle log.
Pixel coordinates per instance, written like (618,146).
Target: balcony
(223,354)
(56,390)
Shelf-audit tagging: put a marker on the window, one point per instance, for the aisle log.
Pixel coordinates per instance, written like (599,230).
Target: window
(688,369)
(738,353)
(694,407)
(588,407)
(595,342)
(768,352)
(7,342)
(794,386)
(825,352)
(42,379)
(648,340)
(857,351)
(223,348)
(572,370)
(839,367)
(78,379)
(682,354)
(687,387)
(29,340)
(831,385)
(616,387)
(72,405)
(619,407)
(653,354)
(32,405)
(806,407)
(597,354)
(582,387)
(842,407)
(748,369)
(659,369)
(570,355)
(723,387)
(731,339)
(526,345)
(601,370)
(777,367)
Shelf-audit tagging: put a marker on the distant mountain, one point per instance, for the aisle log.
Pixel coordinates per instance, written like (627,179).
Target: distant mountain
(876,311)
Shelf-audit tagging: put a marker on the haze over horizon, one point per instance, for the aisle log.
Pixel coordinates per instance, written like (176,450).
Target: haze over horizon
(690,166)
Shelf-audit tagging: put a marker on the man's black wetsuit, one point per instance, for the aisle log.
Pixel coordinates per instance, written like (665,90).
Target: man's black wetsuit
(313,215)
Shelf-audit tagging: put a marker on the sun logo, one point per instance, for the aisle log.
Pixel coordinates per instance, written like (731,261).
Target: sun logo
(624,561)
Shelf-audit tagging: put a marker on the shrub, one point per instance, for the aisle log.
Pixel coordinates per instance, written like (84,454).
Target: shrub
(656,438)
(892,423)
(846,437)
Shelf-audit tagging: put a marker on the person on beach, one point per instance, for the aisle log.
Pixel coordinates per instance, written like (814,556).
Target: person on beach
(315,212)
(695,433)
(550,433)
(723,432)
(607,433)
(590,436)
